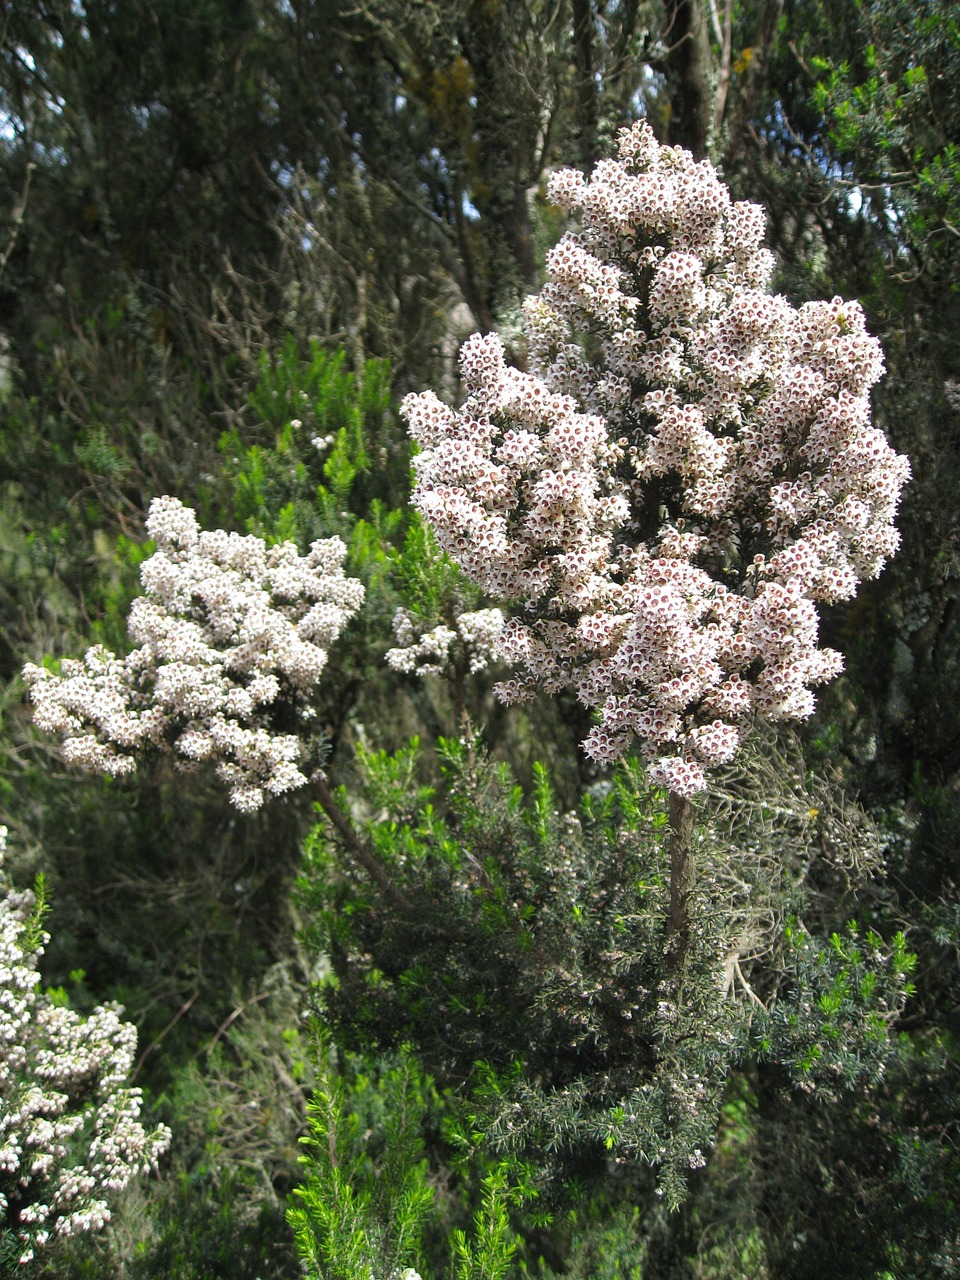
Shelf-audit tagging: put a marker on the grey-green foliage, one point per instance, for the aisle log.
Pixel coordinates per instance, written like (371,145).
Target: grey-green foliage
(523,952)
(831,1023)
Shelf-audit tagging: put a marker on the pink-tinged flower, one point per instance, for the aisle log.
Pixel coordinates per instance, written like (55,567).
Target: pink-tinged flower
(686,469)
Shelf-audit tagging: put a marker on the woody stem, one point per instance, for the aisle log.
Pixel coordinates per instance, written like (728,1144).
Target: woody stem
(682,876)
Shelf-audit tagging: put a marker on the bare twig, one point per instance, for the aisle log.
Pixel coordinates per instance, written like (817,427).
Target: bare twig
(19,210)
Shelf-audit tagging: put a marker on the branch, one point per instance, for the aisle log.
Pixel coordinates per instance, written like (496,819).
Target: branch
(19,210)
(725,41)
(358,849)
(683,875)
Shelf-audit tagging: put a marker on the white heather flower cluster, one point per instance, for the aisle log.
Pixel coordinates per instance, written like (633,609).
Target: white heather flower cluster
(70,1134)
(687,468)
(427,653)
(225,628)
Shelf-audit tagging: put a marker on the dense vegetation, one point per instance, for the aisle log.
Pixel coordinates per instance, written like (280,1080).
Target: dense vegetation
(424,1014)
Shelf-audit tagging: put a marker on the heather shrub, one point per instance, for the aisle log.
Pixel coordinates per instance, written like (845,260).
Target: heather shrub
(229,631)
(649,516)
(70,1133)
(686,469)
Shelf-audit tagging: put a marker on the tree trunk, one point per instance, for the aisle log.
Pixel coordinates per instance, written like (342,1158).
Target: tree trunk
(689,70)
(586,88)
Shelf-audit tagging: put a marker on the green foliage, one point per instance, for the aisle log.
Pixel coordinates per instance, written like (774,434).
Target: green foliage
(893,111)
(368,1206)
(238,1108)
(195,1226)
(360,1213)
(427,581)
(324,453)
(489,1256)
(33,936)
(327,455)
(317,429)
(603,1246)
